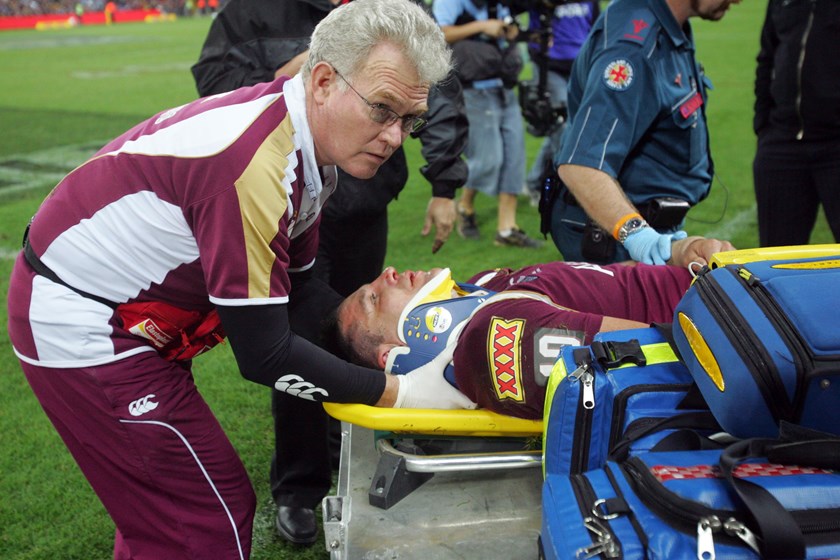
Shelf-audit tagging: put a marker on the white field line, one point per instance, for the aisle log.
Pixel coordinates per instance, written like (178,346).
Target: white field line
(741,221)
(132,70)
(7,254)
(56,163)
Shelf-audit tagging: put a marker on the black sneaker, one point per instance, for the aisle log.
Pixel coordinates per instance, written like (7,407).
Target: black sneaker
(467,227)
(517,238)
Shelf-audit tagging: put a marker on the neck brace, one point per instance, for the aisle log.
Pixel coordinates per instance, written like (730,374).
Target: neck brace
(434,316)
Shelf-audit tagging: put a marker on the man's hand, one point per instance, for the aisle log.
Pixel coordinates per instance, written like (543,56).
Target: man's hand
(651,247)
(425,387)
(440,214)
(686,252)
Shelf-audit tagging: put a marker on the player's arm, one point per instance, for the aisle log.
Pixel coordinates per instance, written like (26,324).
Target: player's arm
(598,193)
(617,324)
(269,353)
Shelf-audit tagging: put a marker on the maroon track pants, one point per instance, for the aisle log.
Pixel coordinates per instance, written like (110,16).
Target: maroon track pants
(154,454)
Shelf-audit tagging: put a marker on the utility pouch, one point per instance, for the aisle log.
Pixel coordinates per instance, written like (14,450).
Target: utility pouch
(665,213)
(597,245)
(177,334)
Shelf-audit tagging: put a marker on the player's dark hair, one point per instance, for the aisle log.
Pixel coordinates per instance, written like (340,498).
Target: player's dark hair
(355,344)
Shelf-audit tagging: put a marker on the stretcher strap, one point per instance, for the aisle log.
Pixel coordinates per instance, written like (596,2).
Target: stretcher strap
(781,537)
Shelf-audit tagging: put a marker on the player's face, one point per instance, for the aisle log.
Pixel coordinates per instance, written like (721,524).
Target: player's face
(352,139)
(377,306)
(711,9)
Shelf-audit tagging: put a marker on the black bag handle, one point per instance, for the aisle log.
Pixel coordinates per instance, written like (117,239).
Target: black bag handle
(701,420)
(781,537)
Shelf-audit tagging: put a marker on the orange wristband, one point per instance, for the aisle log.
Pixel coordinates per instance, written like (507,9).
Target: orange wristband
(623,220)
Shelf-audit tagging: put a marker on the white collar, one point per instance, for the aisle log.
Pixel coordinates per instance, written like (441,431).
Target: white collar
(295,96)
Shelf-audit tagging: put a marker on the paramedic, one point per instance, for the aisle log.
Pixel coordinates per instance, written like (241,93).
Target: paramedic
(635,153)
(210,210)
(253,41)
(538,310)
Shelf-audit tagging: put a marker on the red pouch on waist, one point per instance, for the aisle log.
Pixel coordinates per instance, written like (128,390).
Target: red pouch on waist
(177,334)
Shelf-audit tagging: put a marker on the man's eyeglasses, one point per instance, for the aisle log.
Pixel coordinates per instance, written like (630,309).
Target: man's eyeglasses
(382,114)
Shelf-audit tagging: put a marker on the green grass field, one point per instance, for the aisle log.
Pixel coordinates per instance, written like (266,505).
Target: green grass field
(66,92)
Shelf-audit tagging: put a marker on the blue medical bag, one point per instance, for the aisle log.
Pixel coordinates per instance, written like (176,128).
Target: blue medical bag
(762,341)
(747,501)
(619,395)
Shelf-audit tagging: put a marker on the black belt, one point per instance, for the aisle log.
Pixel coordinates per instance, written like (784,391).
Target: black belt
(46,272)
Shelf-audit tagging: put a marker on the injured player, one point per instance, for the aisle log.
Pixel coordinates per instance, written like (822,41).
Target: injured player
(505,327)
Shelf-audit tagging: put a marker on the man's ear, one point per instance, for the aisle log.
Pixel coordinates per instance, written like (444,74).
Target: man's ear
(321,80)
(382,354)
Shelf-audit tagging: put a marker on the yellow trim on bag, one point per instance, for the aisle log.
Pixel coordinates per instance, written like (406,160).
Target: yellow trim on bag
(791,252)
(702,351)
(557,375)
(813,265)
(656,353)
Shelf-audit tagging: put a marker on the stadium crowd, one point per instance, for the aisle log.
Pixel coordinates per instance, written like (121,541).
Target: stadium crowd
(45,7)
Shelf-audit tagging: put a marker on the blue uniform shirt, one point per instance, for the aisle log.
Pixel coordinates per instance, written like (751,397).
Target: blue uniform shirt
(637,101)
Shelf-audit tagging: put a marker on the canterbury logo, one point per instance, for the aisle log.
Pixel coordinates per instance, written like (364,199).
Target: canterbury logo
(142,406)
(297,387)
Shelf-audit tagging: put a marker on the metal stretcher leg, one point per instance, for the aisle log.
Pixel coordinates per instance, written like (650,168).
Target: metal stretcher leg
(392,481)
(464,513)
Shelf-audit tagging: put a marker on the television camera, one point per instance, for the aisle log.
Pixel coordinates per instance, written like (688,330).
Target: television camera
(540,112)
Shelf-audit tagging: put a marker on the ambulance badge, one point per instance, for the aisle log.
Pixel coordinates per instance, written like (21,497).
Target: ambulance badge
(618,75)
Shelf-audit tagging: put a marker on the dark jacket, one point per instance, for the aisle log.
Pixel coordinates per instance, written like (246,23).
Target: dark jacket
(797,85)
(444,139)
(249,39)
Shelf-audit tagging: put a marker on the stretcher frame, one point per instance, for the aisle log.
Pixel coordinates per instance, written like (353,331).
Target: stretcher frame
(400,471)
(486,499)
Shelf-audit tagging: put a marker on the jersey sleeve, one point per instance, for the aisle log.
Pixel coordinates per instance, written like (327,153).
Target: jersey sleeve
(446,12)
(242,239)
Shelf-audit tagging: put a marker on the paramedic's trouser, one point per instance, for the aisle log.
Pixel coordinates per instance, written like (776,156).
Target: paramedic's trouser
(154,454)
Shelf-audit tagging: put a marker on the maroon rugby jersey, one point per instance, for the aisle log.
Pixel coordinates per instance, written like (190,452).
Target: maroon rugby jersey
(506,351)
(212,202)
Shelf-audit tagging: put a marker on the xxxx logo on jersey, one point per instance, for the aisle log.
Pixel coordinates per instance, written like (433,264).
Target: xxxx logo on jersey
(618,75)
(503,354)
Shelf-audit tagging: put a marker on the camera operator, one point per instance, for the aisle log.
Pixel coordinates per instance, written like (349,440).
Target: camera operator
(556,32)
(487,63)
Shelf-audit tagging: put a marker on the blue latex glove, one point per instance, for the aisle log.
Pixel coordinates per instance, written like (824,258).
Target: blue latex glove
(651,247)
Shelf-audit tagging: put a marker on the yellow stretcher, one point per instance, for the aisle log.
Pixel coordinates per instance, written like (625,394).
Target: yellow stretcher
(469,423)
(502,449)
(499,442)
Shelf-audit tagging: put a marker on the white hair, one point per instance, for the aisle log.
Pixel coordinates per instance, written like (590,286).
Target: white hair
(346,36)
